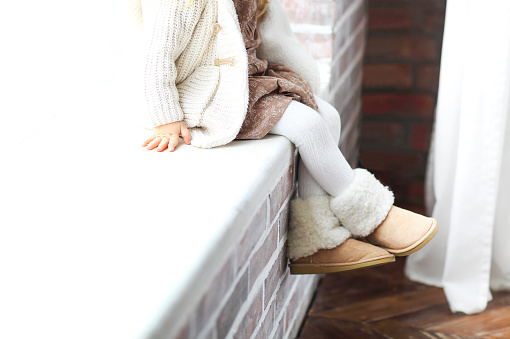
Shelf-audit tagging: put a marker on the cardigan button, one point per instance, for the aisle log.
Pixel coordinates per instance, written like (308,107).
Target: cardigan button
(216,28)
(228,61)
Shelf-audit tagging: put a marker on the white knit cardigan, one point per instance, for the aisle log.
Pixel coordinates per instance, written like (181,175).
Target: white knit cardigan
(196,64)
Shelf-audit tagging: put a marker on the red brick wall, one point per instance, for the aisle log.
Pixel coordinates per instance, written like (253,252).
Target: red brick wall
(401,72)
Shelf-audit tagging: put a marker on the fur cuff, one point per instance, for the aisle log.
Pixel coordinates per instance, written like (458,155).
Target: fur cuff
(363,205)
(313,227)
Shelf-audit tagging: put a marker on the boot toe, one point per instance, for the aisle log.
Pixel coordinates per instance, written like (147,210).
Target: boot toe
(403,232)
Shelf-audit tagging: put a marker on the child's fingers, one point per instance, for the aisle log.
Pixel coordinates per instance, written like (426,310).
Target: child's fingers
(174,140)
(186,135)
(146,142)
(163,144)
(154,143)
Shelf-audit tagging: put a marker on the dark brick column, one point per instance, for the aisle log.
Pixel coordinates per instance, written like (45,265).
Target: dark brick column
(401,72)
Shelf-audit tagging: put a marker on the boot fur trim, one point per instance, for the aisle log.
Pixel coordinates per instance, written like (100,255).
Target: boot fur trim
(363,205)
(312,227)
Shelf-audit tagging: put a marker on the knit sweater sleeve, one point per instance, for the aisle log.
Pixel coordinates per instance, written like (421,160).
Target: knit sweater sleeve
(169,32)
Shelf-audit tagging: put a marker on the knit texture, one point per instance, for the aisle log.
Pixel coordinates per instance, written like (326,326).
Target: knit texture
(182,82)
(363,205)
(222,120)
(307,185)
(173,45)
(312,227)
(317,147)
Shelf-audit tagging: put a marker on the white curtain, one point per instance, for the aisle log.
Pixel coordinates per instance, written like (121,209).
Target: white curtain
(470,163)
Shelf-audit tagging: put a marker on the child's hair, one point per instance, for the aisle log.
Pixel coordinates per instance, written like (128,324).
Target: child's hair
(262,7)
(136,9)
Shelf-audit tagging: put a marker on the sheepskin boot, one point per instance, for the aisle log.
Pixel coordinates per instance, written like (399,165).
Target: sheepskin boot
(318,244)
(312,226)
(366,209)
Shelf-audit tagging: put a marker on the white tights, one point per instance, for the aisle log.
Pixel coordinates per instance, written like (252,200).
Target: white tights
(322,167)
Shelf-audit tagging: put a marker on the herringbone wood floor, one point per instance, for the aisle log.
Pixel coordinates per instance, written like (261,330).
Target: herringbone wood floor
(380,302)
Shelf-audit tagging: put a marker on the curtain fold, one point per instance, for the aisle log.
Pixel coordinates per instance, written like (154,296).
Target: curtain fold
(470,163)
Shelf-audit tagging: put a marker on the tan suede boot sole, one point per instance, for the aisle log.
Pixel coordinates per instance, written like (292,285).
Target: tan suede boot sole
(350,255)
(320,269)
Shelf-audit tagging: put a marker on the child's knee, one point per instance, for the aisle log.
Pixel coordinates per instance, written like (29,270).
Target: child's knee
(301,124)
(308,125)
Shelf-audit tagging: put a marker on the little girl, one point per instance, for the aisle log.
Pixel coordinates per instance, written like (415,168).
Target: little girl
(219,70)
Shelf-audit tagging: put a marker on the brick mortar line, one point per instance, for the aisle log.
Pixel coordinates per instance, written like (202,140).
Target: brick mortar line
(401,60)
(267,231)
(259,284)
(279,317)
(346,14)
(352,123)
(267,225)
(386,5)
(265,312)
(238,275)
(280,243)
(214,317)
(356,89)
(264,273)
(282,175)
(395,150)
(306,299)
(291,293)
(348,42)
(268,222)
(357,85)
(356,61)
(392,118)
(237,278)
(399,33)
(212,322)
(284,205)
(245,267)
(406,62)
(406,91)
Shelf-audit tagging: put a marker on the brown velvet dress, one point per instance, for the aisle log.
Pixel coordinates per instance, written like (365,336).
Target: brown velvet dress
(272,87)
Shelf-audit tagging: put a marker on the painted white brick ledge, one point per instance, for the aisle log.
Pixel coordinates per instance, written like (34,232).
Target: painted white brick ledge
(108,240)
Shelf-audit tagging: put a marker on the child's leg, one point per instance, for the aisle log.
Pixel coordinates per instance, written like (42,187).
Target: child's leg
(317,242)
(308,187)
(318,149)
(313,226)
(360,201)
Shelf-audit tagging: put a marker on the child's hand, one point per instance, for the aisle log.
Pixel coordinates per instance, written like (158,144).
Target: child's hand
(168,136)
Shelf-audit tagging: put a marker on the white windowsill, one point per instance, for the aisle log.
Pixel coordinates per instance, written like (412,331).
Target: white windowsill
(101,238)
